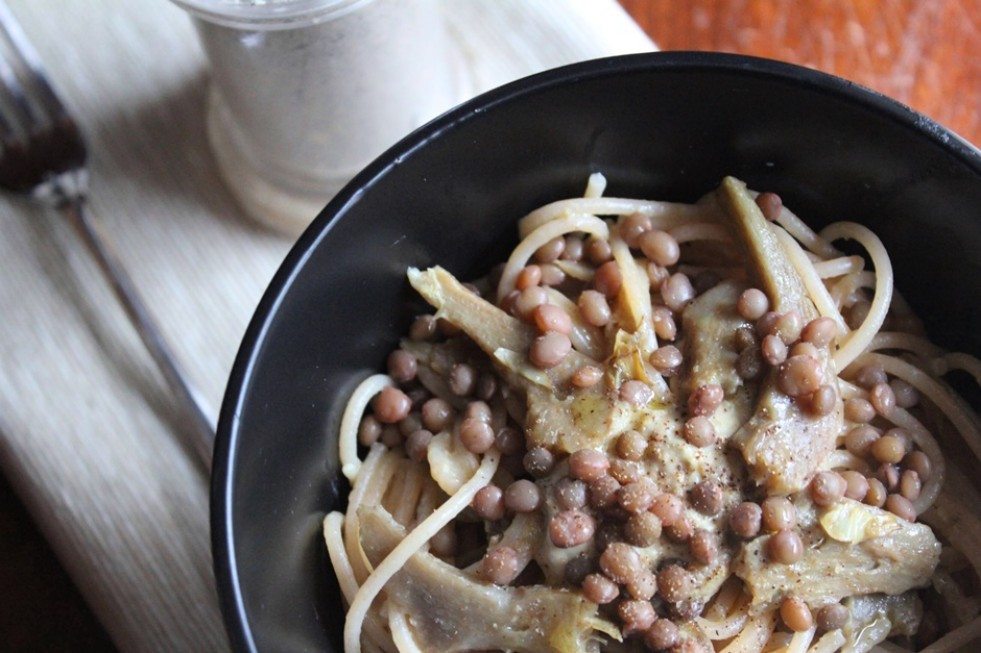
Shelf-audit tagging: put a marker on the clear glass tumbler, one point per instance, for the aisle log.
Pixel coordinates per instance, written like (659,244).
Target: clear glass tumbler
(305,92)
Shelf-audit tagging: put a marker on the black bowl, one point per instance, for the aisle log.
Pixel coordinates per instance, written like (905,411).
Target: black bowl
(664,126)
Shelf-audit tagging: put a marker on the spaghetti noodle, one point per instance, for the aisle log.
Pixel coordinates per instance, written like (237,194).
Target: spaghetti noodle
(623,441)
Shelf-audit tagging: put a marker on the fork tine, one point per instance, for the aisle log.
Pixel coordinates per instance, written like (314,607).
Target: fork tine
(25,64)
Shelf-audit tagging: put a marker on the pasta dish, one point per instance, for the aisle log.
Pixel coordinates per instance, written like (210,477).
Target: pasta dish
(663,426)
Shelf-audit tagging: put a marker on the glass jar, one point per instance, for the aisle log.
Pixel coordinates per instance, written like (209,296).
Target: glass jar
(304,93)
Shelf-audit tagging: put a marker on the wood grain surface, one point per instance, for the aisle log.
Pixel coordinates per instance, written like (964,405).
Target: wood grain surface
(921,52)
(924,53)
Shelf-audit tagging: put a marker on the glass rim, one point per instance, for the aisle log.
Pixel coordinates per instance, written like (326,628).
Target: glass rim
(274,14)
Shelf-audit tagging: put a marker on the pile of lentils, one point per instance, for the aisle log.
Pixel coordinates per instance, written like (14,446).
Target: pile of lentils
(608,499)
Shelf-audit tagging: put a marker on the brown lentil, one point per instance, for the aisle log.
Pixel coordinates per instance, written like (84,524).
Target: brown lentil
(882,398)
(704,546)
(832,617)
(778,514)
(478,410)
(549,317)
(500,565)
(705,399)
(369,430)
(744,520)
(827,488)
(823,400)
(636,616)
(706,497)
(402,366)
(625,471)
(919,462)
(632,227)
(603,492)
(752,304)
(770,205)
(635,392)
(799,376)
(509,441)
(594,308)
(643,585)
(577,569)
(522,496)
(530,275)
(677,291)
(699,431)
(906,395)
(636,497)
(607,533)
(749,365)
(620,561)
(476,435)
(856,313)
(668,508)
(598,250)
(391,405)
(805,349)
(599,589)
(607,279)
(888,449)
(860,439)
(743,337)
(423,328)
(643,529)
(856,485)
(868,376)
(660,247)
(666,360)
(788,326)
(631,445)
(528,300)
(573,248)
(437,415)
(552,275)
(820,331)
(549,350)
(673,583)
(681,530)
(876,496)
(889,476)
(773,349)
(570,493)
(588,464)
(662,635)
(796,615)
(664,324)
(910,485)
(587,376)
(463,380)
(859,410)
(488,503)
(785,547)
(410,424)
(539,461)
(900,506)
(391,437)
(571,528)
(417,444)
(550,251)
(767,324)
(656,274)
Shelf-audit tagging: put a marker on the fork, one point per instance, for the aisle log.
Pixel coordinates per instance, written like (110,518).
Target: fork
(43,155)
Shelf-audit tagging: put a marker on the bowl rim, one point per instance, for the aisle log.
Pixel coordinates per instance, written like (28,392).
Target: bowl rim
(222,476)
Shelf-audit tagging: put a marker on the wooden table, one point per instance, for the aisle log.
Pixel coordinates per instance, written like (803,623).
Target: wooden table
(924,53)
(921,52)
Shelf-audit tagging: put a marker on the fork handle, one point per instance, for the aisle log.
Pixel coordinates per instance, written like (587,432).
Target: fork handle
(194,426)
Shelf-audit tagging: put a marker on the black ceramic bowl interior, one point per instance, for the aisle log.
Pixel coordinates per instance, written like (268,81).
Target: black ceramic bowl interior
(662,126)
